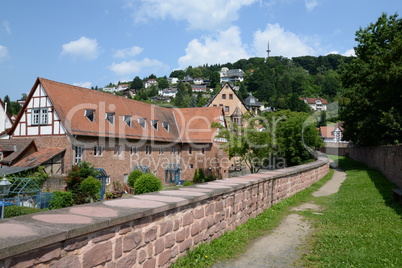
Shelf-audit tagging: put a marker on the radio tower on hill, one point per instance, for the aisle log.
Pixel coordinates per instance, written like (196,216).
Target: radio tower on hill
(268,50)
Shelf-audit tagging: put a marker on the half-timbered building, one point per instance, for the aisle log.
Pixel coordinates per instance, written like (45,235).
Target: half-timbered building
(119,134)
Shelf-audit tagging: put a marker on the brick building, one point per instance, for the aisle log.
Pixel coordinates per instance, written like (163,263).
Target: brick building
(118,134)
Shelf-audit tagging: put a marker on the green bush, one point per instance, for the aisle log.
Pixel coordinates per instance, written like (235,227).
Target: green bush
(61,200)
(199,176)
(133,177)
(147,183)
(14,211)
(188,183)
(91,187)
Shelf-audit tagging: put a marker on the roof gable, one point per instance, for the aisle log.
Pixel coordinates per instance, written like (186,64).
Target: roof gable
(235,96)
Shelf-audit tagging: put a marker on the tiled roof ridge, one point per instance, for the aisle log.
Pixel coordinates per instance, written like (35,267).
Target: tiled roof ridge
(92,91)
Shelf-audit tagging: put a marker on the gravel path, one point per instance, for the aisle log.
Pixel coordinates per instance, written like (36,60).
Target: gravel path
(284,245)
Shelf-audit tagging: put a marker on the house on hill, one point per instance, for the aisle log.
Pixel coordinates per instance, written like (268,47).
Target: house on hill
(317,104)
(253,105)
(120,134)
(332,133)
(233,106)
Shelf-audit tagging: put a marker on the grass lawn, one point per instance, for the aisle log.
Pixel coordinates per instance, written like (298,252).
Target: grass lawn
(361,225)
(233,243)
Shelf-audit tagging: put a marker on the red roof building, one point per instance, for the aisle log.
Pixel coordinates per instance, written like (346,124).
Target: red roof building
(116,133)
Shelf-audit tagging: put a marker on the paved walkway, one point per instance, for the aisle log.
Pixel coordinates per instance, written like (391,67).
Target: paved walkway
(285,244)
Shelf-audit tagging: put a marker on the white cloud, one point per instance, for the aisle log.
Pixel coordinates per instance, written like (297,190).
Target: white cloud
(6,26)
(83,84)
(311,4)
(134,67)
(350,52)
(283,43)
(3,52)
(227,47)
(206,14)
(83,48)
(128,52)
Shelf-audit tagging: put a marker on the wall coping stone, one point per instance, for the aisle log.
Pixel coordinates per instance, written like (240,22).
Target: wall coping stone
(30,232)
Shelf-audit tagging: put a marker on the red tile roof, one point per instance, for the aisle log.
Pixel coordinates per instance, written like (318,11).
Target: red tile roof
(16,149)
(38,158)
(70,103)
(328,131)
(313,100)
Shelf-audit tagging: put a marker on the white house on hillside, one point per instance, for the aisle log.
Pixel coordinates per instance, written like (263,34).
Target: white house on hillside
(317,104)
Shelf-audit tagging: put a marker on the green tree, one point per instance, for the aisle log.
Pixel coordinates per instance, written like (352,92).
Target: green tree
(251,146)
(296,138)
(373,82)
(136,83)
(294,103)
(163,83)
(323,119)
(214,79)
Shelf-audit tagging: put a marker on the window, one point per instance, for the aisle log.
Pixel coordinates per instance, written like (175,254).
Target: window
(96,150)
(128,120)
(39,116)
(154,123)
(191,166)
(165,125)
(78,154)
(35,116)
(226,109)
(117,150)
(110,118)
(161,150)
(90,114)
(43,116)
(214,105)
(101,150)
(223,96)
(133,150)
(202,150)
(190,150)
(148,149)
(172,150)
(220,105)
(142,122)
(230,96)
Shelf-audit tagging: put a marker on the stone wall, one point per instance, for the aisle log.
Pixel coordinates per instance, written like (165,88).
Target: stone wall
(150,230)
(387,159)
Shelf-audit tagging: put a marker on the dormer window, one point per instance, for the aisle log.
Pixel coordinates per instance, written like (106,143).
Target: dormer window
(110,118)
(154,123)
(128,120)
(90,114)
(142,122)
(166,126)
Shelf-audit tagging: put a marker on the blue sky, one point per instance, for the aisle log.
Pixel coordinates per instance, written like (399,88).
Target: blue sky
(94,42)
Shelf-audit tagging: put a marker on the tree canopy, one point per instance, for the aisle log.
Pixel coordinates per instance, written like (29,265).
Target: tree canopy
(373,82)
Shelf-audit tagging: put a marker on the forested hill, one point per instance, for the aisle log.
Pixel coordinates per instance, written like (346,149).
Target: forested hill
(275,79)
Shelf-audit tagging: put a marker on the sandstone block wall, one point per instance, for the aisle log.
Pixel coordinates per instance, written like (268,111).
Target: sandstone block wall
(150,230)
(387,159)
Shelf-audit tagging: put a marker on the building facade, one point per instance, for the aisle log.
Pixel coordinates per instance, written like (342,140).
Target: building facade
(119,134)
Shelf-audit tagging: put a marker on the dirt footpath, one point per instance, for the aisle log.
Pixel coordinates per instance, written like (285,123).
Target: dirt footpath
(284,245)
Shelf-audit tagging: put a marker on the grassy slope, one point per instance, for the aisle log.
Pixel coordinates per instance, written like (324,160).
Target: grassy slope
(361,226)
